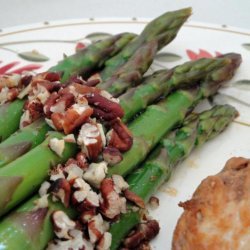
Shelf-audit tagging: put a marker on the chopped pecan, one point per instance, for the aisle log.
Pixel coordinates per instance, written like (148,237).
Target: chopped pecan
(90,140)
(25,80)
(62,224)
(50,102)
(57,146)
(49,86)
(4,95)
(120,137)
(112,204)
(62,103)
(145,232)
(57,173)
(35,108)
(83,89)
(9,81)
(95,173)
(154,202)
(57,120)
(73,172)
(82,160)
(44,188)
(120,183)
(105,242)
(112,155)
(61,190)
(82,189)
(91,201)
(77,242)
(75,116)
(104,109)
(12,94)
(87,215)
(96,228)
(52,76)
(131,196)
(94,80)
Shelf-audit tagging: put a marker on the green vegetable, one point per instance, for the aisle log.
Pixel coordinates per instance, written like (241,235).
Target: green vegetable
(163,30)
(173,148)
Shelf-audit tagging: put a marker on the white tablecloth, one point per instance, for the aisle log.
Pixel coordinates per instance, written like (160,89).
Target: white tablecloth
(19,12)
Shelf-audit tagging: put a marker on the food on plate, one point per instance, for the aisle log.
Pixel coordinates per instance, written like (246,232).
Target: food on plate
(76,147)
(217,216)
(82,62)
(135,100)
(173,148)
(88,59)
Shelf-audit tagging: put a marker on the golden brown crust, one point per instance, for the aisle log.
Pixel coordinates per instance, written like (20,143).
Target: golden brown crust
(218,215)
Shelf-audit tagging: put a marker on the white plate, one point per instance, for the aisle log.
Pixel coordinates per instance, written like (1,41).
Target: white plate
(195,39)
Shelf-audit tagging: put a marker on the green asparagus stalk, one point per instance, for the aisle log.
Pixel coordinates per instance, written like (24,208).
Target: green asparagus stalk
(10,115)
(22,141)
(82,62)
(93,57)
(173,148)
(131,73)
(29,228)
(162,29)
(162,82)
(23,176)
(132,102)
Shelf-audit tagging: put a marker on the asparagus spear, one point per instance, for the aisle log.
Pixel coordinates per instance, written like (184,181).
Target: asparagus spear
(162,29)
(82,62)
(131,72)
(23,176)
(132,102)
(161,83)
(93,57)
(10,115)
(22,141)
(12,233)
(173,148)
(161,117)
(29,228)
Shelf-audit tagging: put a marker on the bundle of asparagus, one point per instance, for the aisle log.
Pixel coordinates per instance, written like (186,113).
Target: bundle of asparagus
(18,178)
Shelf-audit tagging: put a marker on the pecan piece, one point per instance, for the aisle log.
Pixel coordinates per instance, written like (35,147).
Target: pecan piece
(90,139)
(62,224)
(50,102)
(52,76)
(104,109)
(61,190)
(87,215)
(112,155)
(131,196)
(75,116)
(112,204)
(154,202)
(95,173)
(120,137)
(145,232)
(82,160)
(105,242)
(12,94)
(62,103)
(96,228)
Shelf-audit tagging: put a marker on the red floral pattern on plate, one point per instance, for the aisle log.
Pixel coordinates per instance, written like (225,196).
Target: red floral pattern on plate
(6,69)
(201,54)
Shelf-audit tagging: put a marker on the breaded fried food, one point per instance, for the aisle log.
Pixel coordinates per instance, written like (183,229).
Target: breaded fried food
(218,215)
